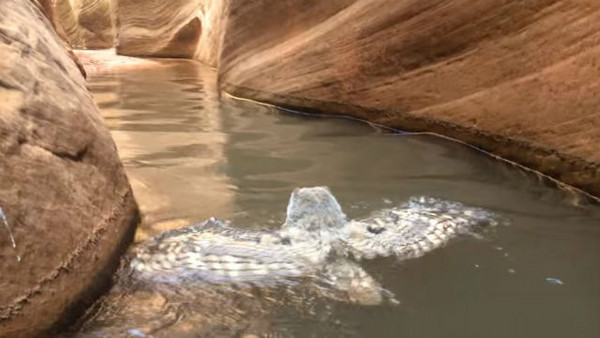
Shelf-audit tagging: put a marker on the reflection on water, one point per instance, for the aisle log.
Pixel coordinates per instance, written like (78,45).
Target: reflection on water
(190,155)
(168,128)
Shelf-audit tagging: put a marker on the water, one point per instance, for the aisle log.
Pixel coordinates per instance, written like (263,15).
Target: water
(190,156)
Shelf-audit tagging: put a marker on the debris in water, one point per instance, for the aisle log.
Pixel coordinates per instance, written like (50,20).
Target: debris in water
(554,281)
(12,239)
(513,271)
(136,333)
(387,201)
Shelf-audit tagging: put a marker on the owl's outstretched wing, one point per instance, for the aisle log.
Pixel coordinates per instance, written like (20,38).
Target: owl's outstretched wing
(414,228)
(215,253)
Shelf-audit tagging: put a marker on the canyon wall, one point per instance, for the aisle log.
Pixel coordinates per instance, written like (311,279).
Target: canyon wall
(88,24)
(179,28)
(63,190)
(520,79)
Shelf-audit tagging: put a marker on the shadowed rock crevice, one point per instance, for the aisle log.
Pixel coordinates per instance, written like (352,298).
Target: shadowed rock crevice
(77,157)
(185,41)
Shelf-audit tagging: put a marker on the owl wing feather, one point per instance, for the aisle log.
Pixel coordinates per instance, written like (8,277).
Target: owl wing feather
(414,228)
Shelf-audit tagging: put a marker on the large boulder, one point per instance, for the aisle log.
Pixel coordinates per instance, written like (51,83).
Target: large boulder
(62,187)
(518,78)
(179,28)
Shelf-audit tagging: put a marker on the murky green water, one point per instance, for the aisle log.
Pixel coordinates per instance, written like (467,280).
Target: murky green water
(190,156)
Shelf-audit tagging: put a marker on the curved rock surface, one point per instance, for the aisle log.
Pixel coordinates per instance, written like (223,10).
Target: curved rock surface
(520,79)
(62,187)
(97,22)
(88,24)
(64,13)
(179,28)
(47,8)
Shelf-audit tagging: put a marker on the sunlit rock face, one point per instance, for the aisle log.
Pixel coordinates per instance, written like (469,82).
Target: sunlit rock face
(518,78)
(213,17)
(178,28)
(48,9)
(62,187)
(96,19)
(65,13)
(89,24)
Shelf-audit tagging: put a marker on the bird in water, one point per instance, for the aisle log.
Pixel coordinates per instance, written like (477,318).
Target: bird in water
(317,241)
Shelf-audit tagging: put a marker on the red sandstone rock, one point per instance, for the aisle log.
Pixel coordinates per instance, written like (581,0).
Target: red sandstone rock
(64,12)
(518,78)
(180,28)
(62,186)
(88,24)
(47,7)
(96,19)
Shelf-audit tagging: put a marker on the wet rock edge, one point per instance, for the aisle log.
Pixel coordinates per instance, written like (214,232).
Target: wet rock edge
(569,169)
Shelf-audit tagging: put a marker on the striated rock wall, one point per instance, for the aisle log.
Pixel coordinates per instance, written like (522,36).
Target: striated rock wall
(520,79)
(65,13)
(62,187)
(97,21)
(47,8)
(213,17)
(179,28)
(88,24)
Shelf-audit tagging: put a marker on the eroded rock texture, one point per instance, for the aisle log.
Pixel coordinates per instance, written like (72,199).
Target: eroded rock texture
(62,187)
(65,13)
(89,24)
(48,9)
(519,78)
(178,28)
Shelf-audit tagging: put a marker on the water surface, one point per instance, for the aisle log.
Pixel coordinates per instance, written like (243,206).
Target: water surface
(191,154)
